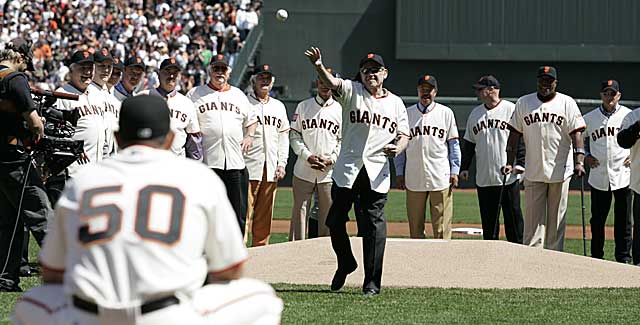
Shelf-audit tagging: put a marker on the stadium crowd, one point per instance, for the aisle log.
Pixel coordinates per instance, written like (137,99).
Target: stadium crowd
(191,31)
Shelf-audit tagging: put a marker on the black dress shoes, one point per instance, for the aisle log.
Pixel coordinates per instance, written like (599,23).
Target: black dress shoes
(341,276)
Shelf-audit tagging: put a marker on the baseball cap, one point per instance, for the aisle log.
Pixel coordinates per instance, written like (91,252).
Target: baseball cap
(219,60)
(23,47)
(134,61)
(428,80)
(102,55)
(546,70)
(487,81)
(263,68)
(117,64)
(168,63)
(143,117)
(79,57)
(610,84)
(372,57)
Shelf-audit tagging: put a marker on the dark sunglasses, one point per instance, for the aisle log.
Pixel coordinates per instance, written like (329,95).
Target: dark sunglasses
(609,93)
(219,69)
(371,70)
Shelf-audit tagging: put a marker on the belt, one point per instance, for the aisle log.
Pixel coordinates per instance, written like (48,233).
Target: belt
(148,307)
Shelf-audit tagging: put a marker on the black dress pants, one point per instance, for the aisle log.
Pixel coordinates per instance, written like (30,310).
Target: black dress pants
(513,221)
(236,181)
(372,227)
(600,205)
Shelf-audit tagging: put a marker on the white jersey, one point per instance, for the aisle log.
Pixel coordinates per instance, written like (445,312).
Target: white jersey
(602,132)
(315,130)
(223,115)
(487,129)
(427,166)
(368,124)
(120,93)
(628,121)
(546,129)
(90,128)
(271,141)
(183,118)
(111,105)
(128,231)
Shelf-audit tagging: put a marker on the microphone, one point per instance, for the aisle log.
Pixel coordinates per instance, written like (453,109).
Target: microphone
(54,94)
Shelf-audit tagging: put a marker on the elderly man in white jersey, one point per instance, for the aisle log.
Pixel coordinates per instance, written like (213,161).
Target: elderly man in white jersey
(315,137)
(100,95)
(610,173)
(116,75)
(551,125)
(267,158)
(228,125)
(187,141)
(134,69)
(429,168)
(90,126)
(133,244)
(486,138)
(374,129)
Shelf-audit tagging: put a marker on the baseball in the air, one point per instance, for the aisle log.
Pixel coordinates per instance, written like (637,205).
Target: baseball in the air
(282,15)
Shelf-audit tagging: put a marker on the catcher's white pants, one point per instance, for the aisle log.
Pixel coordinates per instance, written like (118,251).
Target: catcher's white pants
(243,301)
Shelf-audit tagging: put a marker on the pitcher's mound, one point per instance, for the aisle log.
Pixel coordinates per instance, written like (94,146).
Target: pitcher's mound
(439,263)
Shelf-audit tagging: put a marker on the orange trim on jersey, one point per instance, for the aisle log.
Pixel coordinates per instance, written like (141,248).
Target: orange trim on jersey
(225,88)
(454,138)
(42,305)
(404,134)
(295,130)
(45,266)
(229,268)
(250,125)
(582,128)
(285,130)
(231,302)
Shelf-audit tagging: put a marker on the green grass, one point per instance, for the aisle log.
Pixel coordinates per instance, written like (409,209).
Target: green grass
(465,208)
(318,305)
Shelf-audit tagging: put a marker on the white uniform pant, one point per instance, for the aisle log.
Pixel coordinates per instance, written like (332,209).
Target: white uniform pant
(243,301)
(545,212)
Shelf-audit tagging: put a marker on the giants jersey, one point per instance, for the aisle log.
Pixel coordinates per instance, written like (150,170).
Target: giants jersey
(90,128)
(127,231)
(315,130)
(427,166)
(271,141)
(546,128)
(488,130)
(602,133)
(183,118)
(631,118)
(98,94)
(223,115)
(368,124)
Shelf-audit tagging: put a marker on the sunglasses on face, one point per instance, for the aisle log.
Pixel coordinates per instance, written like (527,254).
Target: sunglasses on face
(219,69)
(609,93)
(371,70)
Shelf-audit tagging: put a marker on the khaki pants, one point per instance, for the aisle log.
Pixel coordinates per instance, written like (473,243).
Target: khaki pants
(302,194)
(262,195)
(545,212)
(441,206)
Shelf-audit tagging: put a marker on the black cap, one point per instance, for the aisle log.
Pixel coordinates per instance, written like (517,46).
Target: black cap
(117,64)
(79,57)
(102,55)
(168,63)
(134,61)
(23,47)
(143,117)
(487,81)
(263,68)
(219,60)
(610,84)
(428,80)
(372,57)
(546,70)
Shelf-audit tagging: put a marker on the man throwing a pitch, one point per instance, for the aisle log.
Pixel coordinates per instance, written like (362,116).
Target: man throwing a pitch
(133,244)
(373,118)
(551,125)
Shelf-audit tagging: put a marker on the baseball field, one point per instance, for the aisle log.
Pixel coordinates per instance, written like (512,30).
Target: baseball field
(318,305)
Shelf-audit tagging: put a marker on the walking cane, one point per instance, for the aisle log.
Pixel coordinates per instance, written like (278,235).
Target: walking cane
(504,184)
(584,229)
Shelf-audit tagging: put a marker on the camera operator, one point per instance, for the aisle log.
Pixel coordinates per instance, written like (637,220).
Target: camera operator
(22,196)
